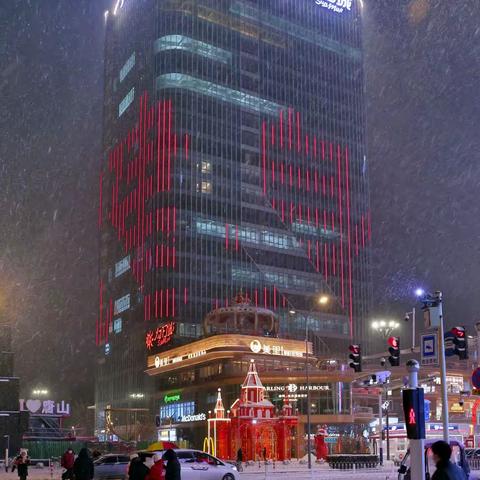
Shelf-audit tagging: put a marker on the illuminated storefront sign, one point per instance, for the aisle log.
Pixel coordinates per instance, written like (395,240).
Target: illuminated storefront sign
(160,336)
(193,418)
(294,388)
(457,408)
(455,384)
(256,346)
(295,391)
(337,6)
(223,344)
(174,397)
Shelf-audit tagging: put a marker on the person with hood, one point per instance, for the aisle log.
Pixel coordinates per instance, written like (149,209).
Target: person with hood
(446,470)
(83,466)
(137,470)
(67,461)
(21,463)
(172,470)
(157,472)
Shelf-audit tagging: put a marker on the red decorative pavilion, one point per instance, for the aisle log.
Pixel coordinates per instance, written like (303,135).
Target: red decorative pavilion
(254,425)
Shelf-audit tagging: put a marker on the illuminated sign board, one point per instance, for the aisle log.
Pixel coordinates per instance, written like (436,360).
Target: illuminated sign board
(44,407)
(226,344)
(337,6)
(161,362)
(294,391)
(294,388)
(193,418)
(174,397)
(160,336)
(256,346)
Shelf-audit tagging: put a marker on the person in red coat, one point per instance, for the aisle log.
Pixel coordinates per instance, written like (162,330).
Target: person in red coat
(157,472)
(67,461)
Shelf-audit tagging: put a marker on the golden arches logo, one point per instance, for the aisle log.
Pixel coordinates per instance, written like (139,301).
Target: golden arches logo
(209,445)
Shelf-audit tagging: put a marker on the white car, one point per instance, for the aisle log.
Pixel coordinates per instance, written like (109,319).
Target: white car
(198,465)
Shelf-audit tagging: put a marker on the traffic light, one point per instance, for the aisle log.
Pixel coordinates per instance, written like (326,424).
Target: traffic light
(414,410)
(356,358)
(460,342)
(394,350)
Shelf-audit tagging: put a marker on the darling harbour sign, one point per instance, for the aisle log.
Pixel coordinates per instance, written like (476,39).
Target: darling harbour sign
(337,6)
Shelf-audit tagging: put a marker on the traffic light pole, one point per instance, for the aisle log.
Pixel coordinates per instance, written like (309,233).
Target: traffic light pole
(380,426)
(417,454)
(443,372)
(307,375)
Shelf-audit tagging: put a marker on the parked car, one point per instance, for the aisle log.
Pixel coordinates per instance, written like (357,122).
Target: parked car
(198,465)
(111,466)
(458,456)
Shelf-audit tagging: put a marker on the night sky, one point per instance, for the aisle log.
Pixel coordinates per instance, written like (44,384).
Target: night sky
(422,64)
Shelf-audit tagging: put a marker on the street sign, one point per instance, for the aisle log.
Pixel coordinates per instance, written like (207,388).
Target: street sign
(429,349)
(476,378)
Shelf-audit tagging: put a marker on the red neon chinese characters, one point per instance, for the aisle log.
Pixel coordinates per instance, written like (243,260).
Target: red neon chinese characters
(160,336)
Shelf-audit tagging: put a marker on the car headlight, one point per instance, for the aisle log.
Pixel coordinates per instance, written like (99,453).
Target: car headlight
(234,467)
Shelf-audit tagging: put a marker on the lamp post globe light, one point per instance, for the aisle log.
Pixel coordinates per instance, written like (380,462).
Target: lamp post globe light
(385,327)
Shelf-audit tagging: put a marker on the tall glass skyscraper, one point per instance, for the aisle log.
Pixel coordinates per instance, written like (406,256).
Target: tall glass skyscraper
(234,160)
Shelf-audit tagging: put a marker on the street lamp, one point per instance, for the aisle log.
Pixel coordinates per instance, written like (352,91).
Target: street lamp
(385,327)
(40,392)
(322,300)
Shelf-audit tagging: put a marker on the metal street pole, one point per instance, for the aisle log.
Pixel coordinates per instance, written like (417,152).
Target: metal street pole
(387,418)
(307,374)
(443,370)
(417,454)
(380,426)
(413,329)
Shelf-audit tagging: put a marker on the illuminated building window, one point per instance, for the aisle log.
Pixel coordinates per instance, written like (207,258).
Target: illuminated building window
(117,325)
(181,42)
(196,85)
(122,266)
(248,234)
(122,304)
(127,100)
(206,167)
(283,25)
(204,187)
(176,411)
(128,65)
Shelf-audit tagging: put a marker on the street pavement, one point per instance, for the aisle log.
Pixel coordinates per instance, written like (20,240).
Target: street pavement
(253,472)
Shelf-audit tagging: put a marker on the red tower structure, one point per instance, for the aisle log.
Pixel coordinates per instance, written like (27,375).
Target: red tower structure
(254,425)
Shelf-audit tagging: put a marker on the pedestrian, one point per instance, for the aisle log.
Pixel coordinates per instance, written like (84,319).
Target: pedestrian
(172,470)
(157,472)
(239,459)
(83,466)
(264,453)
(446,470)
(67,461)
(21,463)
(137,470)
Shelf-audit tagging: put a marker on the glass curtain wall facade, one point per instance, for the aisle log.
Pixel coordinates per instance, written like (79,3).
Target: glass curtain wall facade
(234,160)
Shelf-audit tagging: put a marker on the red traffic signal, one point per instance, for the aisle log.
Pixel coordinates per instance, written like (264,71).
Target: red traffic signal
(458,332)
(393,342)
(355,349)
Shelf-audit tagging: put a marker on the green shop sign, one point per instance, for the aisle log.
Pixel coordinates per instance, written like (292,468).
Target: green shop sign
(174,397)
